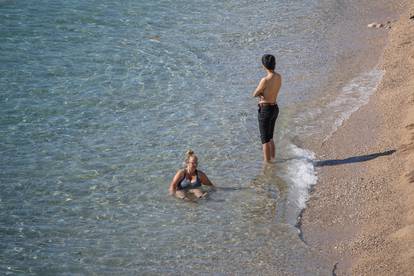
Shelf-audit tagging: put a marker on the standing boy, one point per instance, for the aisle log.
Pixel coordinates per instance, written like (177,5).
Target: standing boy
(267,91)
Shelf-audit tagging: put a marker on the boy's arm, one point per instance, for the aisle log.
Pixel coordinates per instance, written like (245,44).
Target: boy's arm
(260,88)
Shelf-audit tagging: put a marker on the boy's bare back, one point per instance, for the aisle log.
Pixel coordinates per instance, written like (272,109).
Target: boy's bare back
(272,83)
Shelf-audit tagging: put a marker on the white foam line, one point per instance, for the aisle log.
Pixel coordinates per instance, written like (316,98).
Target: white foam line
(300,174)
(353,96)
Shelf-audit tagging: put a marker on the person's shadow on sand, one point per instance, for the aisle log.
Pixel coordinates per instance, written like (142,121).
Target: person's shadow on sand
(355,159)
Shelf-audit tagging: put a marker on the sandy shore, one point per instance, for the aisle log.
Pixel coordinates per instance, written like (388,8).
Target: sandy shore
(361,213)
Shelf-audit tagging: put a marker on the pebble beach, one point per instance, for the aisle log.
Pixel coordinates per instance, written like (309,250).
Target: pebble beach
(361,213)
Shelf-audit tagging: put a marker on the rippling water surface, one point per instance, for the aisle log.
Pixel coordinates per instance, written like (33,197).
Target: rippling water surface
(99,100)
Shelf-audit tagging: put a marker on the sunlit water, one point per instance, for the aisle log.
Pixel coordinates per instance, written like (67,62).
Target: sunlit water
(100,100)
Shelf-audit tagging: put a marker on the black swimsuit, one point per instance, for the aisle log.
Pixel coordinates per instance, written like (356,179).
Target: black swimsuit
(186,184)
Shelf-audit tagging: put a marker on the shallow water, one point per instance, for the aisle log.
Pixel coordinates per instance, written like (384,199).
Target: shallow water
(100,100)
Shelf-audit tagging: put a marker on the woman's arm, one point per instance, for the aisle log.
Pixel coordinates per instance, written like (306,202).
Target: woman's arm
(173,186)
(204,179)
(260,88)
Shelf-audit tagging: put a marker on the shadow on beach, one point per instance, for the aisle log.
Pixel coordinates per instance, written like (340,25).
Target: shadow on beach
(354,159)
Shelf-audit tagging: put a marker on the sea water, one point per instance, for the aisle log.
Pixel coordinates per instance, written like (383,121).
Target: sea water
(99,100)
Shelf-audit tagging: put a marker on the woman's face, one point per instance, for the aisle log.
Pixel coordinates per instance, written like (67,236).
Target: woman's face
(192,164)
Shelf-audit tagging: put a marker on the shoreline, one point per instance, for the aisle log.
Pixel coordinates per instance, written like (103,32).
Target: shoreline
(360,214)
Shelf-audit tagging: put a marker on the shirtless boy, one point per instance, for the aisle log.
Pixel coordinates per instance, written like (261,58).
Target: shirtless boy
(267,91)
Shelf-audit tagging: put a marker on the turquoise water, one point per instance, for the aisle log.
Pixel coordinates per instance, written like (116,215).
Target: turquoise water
(99,100)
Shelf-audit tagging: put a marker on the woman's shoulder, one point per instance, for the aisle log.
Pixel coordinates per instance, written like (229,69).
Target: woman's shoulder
(181,172)
(200,173)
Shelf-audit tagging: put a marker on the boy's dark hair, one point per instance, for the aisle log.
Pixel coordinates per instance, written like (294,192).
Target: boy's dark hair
(269,62)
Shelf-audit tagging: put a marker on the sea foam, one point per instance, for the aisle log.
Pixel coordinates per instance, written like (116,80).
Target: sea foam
(353,96)
(300,175)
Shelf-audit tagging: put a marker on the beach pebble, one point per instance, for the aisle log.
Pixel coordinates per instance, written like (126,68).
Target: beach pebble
(388,25)
(155,38)
(375,25)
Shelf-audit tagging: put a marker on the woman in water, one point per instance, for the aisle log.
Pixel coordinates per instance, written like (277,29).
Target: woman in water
(189,179)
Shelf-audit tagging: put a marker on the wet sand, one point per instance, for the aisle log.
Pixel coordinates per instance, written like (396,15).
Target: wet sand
(360,215)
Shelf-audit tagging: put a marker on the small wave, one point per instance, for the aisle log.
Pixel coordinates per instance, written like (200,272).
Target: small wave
(353,96)
(300,175)
(302,172)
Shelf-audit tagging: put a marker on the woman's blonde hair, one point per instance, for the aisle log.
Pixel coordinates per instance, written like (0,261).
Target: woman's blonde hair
(189,154)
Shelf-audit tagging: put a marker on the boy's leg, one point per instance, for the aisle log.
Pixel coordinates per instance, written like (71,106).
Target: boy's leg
(272,149)
(267,151)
